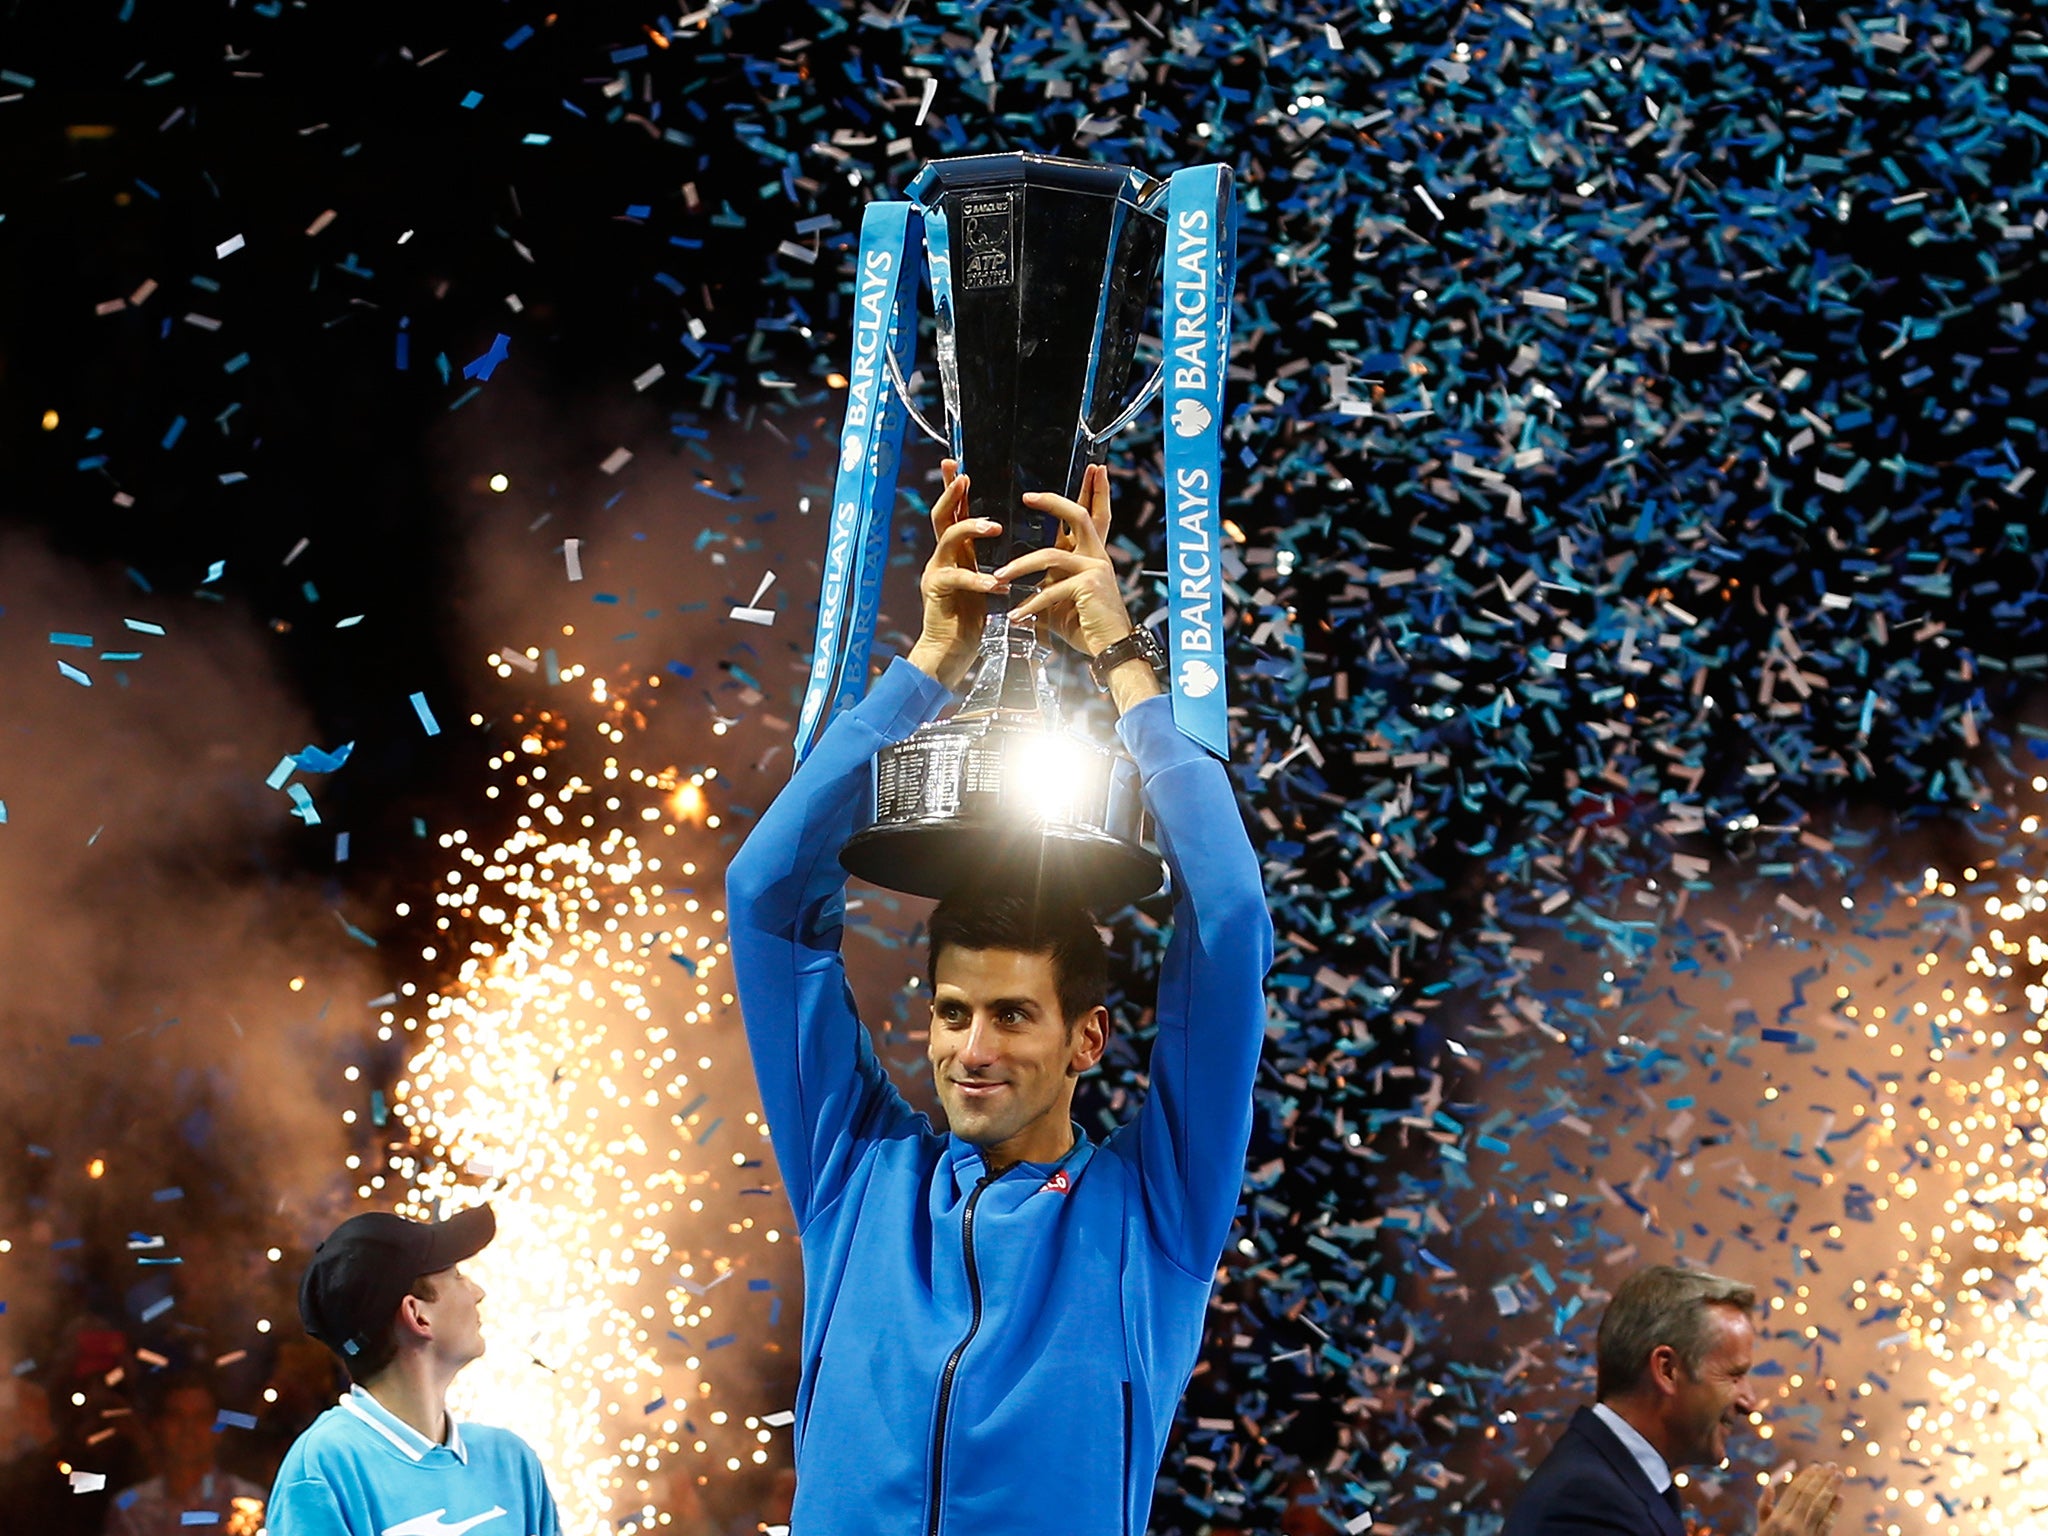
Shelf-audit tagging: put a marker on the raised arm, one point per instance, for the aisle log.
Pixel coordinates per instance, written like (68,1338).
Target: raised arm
(1189,1138)
(820,1082)
(1196,1121)
(785,901)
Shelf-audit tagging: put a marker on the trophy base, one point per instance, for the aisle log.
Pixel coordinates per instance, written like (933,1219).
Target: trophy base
(948,854)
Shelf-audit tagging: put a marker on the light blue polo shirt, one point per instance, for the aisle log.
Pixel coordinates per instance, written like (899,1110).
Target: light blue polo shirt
(360,1470)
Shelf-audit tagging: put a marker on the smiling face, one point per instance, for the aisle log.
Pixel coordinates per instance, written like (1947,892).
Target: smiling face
(1003,1055)
(1702,1408)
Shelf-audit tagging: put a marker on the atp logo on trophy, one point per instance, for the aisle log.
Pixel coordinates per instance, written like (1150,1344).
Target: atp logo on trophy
(988,230)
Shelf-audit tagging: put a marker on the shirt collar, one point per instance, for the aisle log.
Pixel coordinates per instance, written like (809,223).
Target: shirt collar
(400,1433)
(1632,1441)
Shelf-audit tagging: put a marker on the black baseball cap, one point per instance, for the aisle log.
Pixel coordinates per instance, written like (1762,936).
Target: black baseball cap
(368,1264)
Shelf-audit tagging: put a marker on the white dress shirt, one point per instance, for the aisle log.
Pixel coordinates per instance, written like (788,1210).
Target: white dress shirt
(1645,1453)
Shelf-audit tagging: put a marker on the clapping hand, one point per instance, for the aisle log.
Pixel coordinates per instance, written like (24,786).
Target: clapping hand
(1805,1506)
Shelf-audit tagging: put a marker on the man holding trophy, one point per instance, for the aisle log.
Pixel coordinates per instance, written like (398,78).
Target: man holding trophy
(1000,1320)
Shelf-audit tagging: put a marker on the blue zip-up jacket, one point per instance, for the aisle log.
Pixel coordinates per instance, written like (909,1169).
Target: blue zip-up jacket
(987,1356)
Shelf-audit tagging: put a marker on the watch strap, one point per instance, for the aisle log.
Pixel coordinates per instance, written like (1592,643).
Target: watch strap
(1139,643)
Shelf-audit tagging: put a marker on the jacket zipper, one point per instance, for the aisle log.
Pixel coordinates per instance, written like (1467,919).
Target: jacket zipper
(1126,1490)
(953,1360)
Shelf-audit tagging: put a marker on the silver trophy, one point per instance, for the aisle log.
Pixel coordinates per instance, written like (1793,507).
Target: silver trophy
(1042,271)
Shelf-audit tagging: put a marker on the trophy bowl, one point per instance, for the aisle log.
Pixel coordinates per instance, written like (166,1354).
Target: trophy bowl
(1008,804)
(1002,795)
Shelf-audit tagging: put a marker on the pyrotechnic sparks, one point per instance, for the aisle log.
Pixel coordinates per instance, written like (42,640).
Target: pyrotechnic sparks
(1960,1143)
(559,1071)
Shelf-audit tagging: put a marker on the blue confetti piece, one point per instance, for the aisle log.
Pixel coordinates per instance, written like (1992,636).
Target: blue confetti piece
(64,637)
(311,759)
(484,366)
(472,99)
(362,938)
(228,1418)
(427,721)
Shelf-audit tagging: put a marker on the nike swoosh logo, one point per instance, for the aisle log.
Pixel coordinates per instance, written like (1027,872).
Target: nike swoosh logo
(433,1525)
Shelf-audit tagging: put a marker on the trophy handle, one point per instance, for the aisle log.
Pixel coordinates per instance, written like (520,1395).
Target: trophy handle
(902,388)
(1129,413)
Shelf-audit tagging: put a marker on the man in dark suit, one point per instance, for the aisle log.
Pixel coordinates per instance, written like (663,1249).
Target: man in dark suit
(1674,1355)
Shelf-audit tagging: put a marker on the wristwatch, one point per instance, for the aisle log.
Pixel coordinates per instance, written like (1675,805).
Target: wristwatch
(1139,643)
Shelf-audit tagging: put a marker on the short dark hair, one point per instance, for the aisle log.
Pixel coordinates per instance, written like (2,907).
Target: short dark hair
(372,1358)
(1061,930)
(1661,1305)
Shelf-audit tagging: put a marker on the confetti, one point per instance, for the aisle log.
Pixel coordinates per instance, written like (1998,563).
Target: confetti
(427,721)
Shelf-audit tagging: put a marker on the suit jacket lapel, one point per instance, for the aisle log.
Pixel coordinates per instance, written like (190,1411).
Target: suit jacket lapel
(1587,1423)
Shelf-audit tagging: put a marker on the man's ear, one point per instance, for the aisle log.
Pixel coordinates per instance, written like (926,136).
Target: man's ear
(413,1319)
(1090,1039)
(1664,1369)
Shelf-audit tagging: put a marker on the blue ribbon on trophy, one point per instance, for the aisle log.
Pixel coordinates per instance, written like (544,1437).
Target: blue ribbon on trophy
(870,452)
(1197,280)
(1200,273)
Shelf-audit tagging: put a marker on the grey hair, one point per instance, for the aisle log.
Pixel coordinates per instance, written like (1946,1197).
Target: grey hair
(1661,1305)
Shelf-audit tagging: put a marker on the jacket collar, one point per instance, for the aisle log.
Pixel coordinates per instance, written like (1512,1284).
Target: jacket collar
(1618,1456)
(969,1168)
